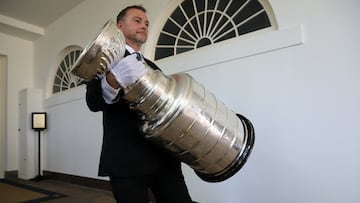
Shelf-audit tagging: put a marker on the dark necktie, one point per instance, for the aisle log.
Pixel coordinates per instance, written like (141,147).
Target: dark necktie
(139,57)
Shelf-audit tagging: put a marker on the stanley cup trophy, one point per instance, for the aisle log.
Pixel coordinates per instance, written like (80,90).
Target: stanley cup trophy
(177,112)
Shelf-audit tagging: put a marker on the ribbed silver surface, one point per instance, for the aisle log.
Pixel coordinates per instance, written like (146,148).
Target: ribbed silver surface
(181,116)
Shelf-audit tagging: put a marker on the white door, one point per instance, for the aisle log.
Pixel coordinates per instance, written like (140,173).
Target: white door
(2,116)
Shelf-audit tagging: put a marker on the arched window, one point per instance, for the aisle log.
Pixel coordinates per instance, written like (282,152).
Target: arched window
(197,23)
(64,79)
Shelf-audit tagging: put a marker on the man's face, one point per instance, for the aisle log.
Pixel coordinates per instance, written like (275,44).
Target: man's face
(135,27)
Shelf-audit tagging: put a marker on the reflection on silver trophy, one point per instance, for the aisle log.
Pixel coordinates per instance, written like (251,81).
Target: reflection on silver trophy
(177,112)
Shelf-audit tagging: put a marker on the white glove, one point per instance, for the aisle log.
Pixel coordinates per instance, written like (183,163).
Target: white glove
(128,70)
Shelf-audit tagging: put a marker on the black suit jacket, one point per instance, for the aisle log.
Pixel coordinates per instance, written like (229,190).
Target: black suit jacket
(125,152)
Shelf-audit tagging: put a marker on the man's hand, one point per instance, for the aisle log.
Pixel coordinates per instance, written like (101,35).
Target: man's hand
(128,70)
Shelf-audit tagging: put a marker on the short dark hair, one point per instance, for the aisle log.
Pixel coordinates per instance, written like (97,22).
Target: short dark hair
(123,12)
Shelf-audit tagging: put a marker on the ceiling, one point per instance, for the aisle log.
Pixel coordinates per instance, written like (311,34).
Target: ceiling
(27,19)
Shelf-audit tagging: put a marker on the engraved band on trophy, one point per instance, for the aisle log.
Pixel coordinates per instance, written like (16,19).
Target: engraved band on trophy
(177,112)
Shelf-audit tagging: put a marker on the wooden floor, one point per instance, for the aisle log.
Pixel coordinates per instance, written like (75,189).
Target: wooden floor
(73,193)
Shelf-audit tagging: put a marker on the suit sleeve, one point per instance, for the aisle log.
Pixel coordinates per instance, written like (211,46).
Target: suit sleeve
(94,97)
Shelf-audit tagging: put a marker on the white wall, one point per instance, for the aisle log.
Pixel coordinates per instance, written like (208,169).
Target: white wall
(302,99)
(303,102)
(19,75)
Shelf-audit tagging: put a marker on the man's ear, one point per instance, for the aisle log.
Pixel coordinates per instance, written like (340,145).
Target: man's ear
(119,24)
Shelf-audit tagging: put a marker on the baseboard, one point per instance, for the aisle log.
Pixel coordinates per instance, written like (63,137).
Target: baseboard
(11,174)
(79,180)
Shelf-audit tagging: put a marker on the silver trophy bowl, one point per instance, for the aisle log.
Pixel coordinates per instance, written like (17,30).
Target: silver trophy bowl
(106,49)
(177,113)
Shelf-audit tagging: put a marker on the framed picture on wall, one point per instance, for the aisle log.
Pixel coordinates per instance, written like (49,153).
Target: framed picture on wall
(38,120)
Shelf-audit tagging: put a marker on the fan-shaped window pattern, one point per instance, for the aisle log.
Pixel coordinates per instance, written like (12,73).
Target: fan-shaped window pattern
(64,79)
(197,23)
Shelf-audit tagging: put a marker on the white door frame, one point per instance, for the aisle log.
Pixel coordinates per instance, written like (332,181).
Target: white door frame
(2,116)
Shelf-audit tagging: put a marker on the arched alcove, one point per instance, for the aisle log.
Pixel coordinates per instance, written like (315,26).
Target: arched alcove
(197,23)
(62,79)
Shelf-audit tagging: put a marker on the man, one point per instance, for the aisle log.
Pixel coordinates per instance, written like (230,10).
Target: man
(133,164)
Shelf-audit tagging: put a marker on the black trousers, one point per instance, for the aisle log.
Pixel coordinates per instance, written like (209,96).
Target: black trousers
(166,187)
